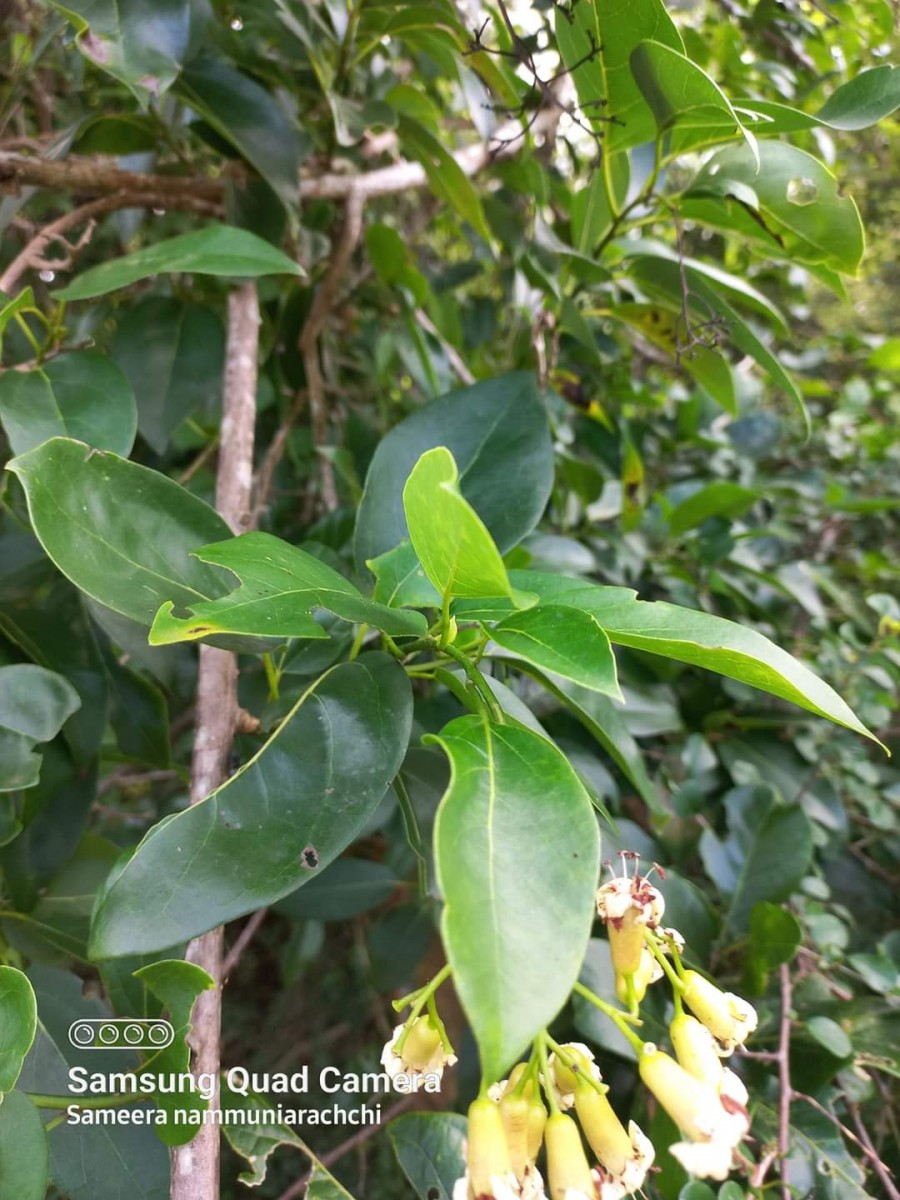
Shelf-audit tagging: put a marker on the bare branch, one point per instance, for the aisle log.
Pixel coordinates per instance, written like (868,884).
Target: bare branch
(195,1167)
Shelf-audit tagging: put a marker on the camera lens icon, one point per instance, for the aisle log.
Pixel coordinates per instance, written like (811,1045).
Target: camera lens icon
(121,1033)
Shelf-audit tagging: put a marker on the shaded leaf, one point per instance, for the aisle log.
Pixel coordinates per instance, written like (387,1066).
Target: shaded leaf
(34,705)
(320,776)
(430,1148)
(24,1156)
(18,1022)
(212,250)
(81,395)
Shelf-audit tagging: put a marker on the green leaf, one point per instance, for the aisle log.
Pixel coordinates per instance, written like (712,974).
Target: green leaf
(518,909)
(122,533)
(280,586)
(320,776)
(796,196)
(24,1156)
(498,433)
(81,395)
(819,1163)
(212,250)
(350,886)
(18,1022)
(719,499)
(775,935)
(247,116)
(142,44)
(596,41)
(446,176)
(718,645)
(400,580)
(430,1148)
(764,857)
(34,705)
(452,543)
(173,355)
(564,641)
(861,102)
(177,984)
(686,103)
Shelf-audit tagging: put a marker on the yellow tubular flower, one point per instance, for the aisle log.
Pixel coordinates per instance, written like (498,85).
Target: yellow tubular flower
(537,1123)
(649,971)
(729,1018)
(489,1174)
(695,1049)
(567,1165)
(516,1113)
(712,1124)
(628,906)
(625,1156)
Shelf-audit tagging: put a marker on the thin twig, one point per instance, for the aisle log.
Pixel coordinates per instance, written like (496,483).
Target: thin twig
(863,1141)
(784,1077)
(298,1188)
(195,1167)
(32,254)
(453,357)
(243,940)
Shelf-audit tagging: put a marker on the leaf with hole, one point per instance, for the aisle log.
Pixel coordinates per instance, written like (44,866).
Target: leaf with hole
(298,802)
(281,585)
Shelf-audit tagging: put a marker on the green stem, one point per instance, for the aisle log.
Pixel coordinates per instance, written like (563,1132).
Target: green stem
(656,951)
(424,992)
(358,642)
(413,832)
(619,1019)
(41,1101)
(478,682)
(541,1044)
(273,676)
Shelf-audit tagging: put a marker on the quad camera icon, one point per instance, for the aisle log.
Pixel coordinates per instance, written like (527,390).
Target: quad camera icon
(121,1033)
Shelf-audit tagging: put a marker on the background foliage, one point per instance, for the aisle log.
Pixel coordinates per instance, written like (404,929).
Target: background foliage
(684,362)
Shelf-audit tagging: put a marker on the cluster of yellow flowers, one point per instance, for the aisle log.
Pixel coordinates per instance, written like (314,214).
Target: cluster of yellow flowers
(510,1122)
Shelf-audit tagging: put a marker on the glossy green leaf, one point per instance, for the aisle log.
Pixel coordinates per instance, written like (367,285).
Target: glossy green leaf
(80,395)
(18,1022)
(122,533)
(596,41)
(446,176)
(775,935)
(452,543)
(564,641)
(247,116)
(173,355)
(177,984)
(687,105)
(719,499)
(320,776)
(141,44)
(430,1148)
(34,705)
(24,1155)
(280,586)
(518,909)
(350,886)
(796,196)
(703,640)
(498,433)
(857,104)
(212,250)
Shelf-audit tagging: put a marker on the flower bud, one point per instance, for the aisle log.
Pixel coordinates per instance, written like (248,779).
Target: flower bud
(649,971)
(489,1174)
(568,1171)
(516,1113)
(729,1018)
(624,1156)
(422,1050)
(563,1079)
